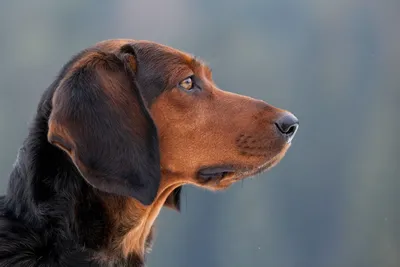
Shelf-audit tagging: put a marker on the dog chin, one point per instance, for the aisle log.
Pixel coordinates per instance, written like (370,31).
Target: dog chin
(221,177)
(264,167)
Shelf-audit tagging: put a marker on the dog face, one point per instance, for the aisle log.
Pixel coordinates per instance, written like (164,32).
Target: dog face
(165,117)
(210,137)
(207,136)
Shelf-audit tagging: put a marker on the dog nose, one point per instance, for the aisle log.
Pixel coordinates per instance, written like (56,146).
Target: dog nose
(287,126)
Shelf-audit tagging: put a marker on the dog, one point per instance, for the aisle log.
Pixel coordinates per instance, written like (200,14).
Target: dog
(123,127)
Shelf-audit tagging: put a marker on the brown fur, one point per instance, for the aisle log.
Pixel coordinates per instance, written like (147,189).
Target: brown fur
(242,137)
(145,118)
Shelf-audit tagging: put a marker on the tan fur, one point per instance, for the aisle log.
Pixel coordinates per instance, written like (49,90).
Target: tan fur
(214,128)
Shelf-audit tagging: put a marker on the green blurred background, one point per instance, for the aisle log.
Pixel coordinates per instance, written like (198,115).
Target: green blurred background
(333,200)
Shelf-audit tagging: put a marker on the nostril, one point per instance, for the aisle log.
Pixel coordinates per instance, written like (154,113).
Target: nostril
(287,125)
(292,129)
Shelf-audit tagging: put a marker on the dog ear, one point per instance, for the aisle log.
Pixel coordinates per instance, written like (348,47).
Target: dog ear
(100,120)
(174,199)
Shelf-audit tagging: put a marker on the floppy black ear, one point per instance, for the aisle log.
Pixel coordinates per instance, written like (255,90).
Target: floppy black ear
(174,199)
(99,119)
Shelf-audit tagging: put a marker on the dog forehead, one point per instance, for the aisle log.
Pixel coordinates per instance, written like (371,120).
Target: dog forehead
(150,47)
(158,65)
(156,54)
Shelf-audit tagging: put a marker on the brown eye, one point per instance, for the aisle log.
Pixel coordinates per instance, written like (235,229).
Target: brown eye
(187,84)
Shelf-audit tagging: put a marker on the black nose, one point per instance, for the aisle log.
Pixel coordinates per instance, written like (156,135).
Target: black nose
(287,126)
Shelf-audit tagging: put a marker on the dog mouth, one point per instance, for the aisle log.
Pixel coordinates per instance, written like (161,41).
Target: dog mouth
(233,173)
(216,172)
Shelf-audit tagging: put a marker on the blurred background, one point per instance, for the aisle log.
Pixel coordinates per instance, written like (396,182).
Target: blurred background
(334,199)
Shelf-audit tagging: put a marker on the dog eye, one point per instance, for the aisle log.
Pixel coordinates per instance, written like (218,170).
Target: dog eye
(187,84)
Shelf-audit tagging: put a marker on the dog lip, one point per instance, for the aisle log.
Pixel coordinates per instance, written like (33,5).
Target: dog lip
(215,172)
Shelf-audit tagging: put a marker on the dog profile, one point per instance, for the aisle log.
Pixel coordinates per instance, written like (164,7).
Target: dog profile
(123,127)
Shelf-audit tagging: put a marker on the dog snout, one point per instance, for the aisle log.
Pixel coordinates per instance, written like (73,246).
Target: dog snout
(287,126)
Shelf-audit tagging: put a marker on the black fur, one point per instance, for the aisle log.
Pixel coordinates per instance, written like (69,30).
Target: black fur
(51,215)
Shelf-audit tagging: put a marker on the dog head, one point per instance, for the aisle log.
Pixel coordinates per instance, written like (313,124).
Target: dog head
(138,118)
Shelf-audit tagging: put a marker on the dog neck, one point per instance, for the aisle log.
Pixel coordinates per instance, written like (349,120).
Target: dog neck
(133,222)
(48,193)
